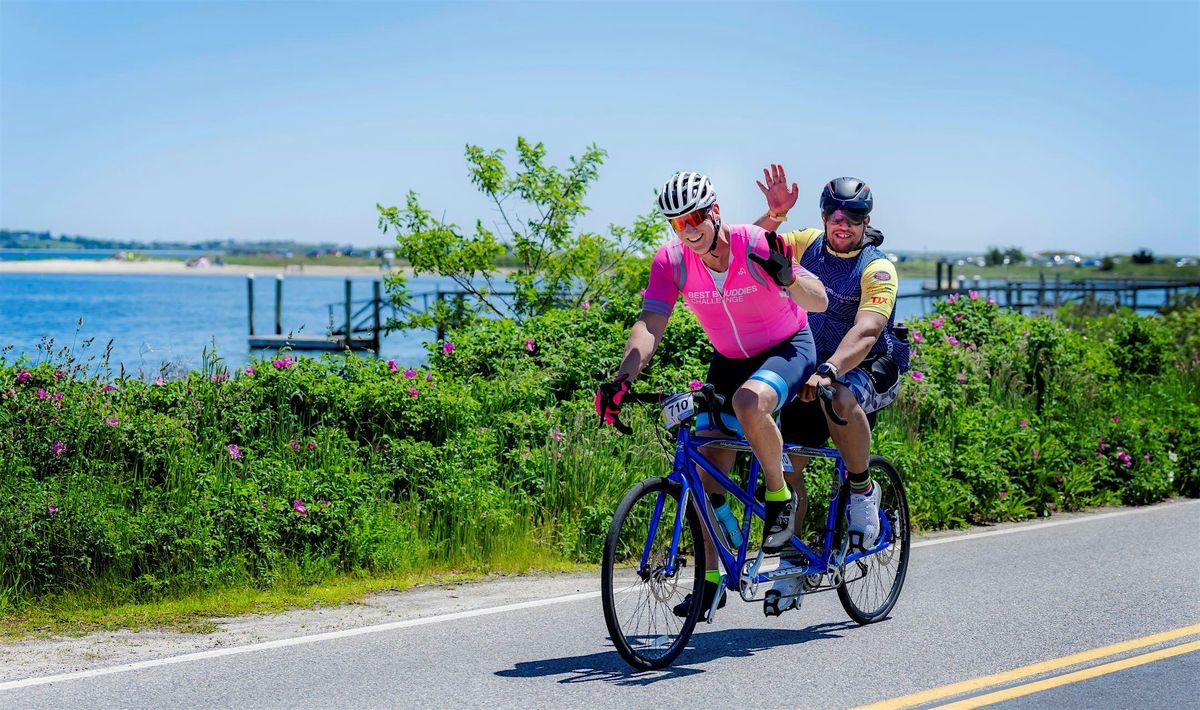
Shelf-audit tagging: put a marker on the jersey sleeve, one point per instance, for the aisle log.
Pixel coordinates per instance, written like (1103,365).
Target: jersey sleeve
(880,285)
(663,290)
(801,239)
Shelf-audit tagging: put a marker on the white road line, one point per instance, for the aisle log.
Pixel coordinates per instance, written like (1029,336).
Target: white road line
(1050,524)
(409,623)
(283,643)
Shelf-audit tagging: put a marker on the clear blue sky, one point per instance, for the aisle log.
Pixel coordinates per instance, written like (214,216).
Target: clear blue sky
(1073,125)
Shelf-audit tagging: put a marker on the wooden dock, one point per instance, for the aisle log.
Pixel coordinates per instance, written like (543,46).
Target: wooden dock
(360,330)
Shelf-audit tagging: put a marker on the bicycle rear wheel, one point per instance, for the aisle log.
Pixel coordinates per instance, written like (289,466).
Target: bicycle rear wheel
(871,585)
(639,598)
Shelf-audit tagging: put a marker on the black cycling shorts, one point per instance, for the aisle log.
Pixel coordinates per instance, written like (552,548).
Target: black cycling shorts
(785,367)
(874,383)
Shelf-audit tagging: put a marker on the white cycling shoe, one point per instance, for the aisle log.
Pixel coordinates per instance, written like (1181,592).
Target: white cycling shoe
(863,516)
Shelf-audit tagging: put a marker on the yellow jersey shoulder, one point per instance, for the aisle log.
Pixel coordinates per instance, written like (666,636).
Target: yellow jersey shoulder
(801,239)
(880,284)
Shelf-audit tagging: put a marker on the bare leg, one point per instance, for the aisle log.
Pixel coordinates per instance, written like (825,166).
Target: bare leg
(754,403)
(853,440)
(795,479)
(723,460)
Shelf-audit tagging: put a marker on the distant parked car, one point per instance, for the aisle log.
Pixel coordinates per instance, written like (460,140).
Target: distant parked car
(1186,261)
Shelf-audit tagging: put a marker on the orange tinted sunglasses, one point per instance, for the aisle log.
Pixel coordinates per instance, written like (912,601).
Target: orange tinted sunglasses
(691,219)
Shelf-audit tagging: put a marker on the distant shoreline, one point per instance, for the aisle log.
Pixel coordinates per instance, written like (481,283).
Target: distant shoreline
(167,267)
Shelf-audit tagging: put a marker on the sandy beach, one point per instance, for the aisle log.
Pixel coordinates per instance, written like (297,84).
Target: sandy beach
(115,267)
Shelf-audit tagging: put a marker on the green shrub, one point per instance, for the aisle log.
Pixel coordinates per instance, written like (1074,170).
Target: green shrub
(296,468)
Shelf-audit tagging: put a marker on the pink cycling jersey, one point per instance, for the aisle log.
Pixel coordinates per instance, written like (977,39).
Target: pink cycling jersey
(751,315)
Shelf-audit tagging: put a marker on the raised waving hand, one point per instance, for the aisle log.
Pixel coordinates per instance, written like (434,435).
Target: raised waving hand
(780,198)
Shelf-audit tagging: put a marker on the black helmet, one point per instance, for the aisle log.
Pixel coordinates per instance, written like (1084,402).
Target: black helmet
(846,193)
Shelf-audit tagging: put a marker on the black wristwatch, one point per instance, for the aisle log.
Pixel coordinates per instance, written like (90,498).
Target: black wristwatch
(827,370)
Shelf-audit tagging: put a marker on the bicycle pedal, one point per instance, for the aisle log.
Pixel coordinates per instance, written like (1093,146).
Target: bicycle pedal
(774,604)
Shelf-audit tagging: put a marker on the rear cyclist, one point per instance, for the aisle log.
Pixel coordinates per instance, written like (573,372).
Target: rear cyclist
(752,302)
(860,351)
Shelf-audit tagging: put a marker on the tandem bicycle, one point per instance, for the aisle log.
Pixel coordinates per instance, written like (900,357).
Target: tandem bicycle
(654,553)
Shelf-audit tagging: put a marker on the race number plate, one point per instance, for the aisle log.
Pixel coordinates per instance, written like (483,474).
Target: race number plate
(677,409)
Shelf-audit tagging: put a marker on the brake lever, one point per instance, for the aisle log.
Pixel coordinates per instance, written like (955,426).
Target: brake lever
(620,425)
(825,392)
(711,403)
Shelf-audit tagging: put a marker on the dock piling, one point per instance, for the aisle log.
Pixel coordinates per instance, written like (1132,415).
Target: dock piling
(250,299)
(349,312)
(376,305)
(278,304)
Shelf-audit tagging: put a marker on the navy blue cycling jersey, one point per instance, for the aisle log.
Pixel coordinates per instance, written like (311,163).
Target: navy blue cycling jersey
(862,280)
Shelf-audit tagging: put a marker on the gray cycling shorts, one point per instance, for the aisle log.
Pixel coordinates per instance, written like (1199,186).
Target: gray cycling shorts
(874,383)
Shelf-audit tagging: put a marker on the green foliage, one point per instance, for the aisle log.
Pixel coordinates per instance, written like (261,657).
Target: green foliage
(293,469)
(539,206)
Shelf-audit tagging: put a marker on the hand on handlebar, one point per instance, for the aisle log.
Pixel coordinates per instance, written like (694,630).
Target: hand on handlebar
(608,402)
(821,386)
(809,391)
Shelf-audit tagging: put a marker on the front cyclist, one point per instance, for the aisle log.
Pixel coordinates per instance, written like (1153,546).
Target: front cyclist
(858,347)
(752,302)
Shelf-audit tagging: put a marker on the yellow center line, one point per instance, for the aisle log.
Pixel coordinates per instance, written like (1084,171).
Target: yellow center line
(966,686)
(1085,674)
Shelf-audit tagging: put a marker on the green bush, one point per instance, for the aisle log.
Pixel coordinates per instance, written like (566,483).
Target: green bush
(491,451)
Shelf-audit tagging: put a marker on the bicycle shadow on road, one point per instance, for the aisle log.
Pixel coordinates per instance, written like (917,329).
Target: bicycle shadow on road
(702,648)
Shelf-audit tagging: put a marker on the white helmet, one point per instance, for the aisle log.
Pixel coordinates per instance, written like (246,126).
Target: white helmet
(685,192)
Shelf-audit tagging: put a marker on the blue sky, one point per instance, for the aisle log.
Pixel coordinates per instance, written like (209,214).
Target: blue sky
(1070,125)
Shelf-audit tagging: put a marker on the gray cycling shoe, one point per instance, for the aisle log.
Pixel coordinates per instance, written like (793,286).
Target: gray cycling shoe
(779,525)
(788,592)
(783,595)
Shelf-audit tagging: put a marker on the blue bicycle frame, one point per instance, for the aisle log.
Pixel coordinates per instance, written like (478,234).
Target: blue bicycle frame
(688,456)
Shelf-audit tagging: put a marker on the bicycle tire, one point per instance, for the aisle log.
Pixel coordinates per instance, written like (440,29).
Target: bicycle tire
(638,602)
(871,585)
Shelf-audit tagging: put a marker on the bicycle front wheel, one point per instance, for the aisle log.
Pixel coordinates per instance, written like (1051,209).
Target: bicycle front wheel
(643,580)
(871,584)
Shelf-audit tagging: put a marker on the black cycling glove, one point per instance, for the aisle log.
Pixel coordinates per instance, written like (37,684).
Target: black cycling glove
(778,263)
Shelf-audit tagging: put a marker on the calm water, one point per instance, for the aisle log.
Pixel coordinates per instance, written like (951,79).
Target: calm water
(155,319)
(171,319)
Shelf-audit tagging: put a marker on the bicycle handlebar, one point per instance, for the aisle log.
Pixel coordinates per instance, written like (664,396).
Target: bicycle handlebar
(825,394)
(707,400)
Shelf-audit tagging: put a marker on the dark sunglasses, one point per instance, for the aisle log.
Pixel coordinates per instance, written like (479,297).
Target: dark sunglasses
(691,219)
(840,216)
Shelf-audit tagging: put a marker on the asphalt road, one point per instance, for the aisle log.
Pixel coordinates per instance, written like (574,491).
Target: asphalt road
(974,605)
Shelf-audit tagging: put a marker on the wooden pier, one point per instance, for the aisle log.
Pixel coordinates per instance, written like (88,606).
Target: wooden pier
(1042,295)
(360,330)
